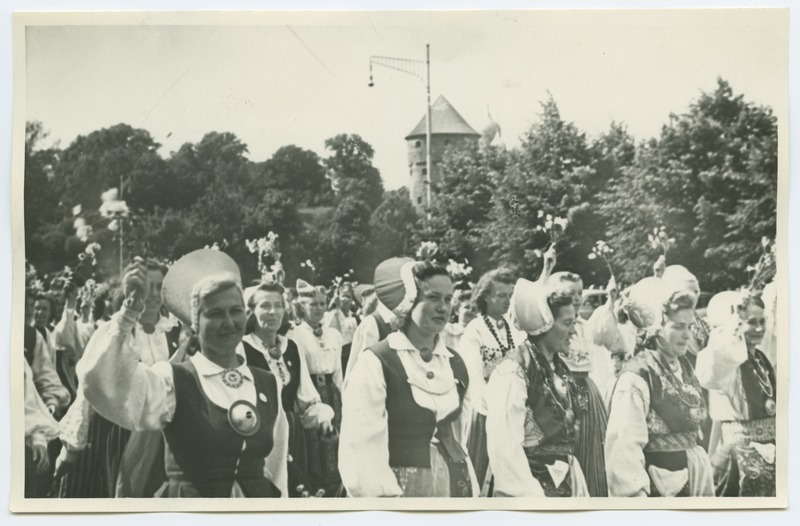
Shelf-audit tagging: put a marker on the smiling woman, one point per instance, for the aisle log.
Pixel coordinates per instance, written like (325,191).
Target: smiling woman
(225,430)
(404,398)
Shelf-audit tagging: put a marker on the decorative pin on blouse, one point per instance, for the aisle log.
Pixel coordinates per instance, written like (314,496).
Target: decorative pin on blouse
(429,375)
(232,378)
(262,397)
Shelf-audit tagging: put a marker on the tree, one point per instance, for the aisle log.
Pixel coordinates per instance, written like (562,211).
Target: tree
(349,167)
(711,179)
(552,173)
(296,170)
(392,226)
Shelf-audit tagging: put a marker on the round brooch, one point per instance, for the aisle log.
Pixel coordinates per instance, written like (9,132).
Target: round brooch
(318,331)
(232,378)
(501,323)
(243,418)
(769,406)
(697,414)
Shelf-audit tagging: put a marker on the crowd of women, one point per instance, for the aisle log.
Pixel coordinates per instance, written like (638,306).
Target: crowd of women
(185,382)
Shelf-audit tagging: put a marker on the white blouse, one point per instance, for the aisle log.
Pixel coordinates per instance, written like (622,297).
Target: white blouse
(364,437)
(345,324)
(40,427)
(481,352)
(323,355)
(151,348)
(141,397)
(309,407)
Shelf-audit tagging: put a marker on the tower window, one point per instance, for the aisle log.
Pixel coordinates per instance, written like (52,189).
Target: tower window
(424,171)
(447,142)
(419,200)
(418,144)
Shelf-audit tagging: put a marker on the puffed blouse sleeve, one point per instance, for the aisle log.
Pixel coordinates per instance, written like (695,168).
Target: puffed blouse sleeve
(626,437)
(120,388)
(364,437)
(506,396)
(309,406)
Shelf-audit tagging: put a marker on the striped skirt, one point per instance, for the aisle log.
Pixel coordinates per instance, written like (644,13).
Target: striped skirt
(590,446)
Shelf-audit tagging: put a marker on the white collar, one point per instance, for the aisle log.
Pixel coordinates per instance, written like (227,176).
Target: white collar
(206,367)
(399,341)
(256,342)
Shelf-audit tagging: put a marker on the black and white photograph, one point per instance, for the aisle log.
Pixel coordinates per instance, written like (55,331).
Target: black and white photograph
(456,260)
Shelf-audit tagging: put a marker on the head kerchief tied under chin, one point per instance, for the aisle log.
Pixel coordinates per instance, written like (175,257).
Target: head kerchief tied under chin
(530,308)
(395,284)
(722,308)
(184,275)
(645,303)
(678,277)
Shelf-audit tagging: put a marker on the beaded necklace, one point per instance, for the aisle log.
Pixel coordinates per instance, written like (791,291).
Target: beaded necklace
(509,341)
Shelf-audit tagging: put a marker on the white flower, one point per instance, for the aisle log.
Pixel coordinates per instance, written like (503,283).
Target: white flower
(562,222)
(76,210)
(92,248)
(110,195)
(592,256)
(540,214)
(113,225)
(252,246)
(548,224)
(111,209)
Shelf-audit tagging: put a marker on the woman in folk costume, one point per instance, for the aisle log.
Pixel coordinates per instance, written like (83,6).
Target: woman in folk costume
(487,339)
(742,389)
(592,369)
(263,346)
(226,433)
(100,458)
(321,348)
(404,396)
(533,402)
(657,406)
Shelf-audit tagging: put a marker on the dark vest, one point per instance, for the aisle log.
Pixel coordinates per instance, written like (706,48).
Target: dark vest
(755,397)
(292,360)
(30,343)
(203,448)
(384,328)
(671,410)
(548,406)
(412,427)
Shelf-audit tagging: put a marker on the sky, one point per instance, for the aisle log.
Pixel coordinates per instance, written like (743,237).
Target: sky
(300,78)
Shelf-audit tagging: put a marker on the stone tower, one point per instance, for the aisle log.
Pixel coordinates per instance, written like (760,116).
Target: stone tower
(448,128)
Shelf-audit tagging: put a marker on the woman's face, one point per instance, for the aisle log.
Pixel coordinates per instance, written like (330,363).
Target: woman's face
(314,308)
(221,321)
(557,338)
(575,290)
(466,312)
(753,323)
(268,309)
(155,279)
(41,313)
(499,299)
(345,299)
(432,311)
(677,331)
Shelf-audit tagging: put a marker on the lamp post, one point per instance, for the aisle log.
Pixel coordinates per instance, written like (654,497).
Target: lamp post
(413,67)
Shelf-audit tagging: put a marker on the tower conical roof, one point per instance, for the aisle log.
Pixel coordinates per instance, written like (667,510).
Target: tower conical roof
(444,120)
